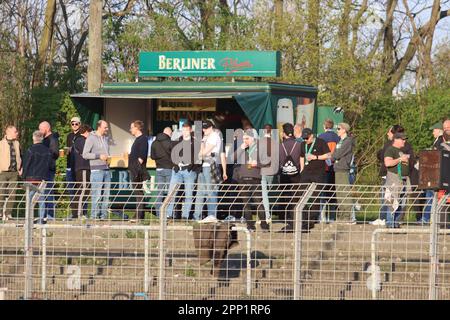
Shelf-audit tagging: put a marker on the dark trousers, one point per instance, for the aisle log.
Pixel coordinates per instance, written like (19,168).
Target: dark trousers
(81,186)
(251,195)
(137,176)
(311,211)
(289,197)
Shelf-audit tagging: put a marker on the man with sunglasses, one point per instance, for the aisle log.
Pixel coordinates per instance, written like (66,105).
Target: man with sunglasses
(75,124)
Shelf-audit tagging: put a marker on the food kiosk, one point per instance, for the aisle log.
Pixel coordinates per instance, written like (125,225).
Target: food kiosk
(171,88)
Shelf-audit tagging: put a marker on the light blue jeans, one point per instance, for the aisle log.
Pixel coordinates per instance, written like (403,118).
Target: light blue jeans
(266,182)
(429,194)
(393,217)
(41,204)
(188,178)
(383,209)
(162,185)
(100,184)
(206,190)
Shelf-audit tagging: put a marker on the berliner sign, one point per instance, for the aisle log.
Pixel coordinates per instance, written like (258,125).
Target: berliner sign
(209,64)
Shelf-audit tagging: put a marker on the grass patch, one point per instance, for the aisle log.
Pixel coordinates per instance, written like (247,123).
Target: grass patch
(190,272)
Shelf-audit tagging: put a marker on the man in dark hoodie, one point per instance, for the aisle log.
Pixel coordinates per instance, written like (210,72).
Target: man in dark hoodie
(50,141)
(81,171)
(160,152)
(37,164)
(137,164)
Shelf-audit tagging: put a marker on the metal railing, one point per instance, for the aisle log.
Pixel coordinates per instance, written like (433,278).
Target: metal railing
(276,241)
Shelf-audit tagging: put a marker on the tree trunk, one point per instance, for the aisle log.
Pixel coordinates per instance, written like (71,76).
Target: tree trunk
(313,41)
(207,22)
(278,18)
(344,27)
(45,42)
(388,39)
(95,46)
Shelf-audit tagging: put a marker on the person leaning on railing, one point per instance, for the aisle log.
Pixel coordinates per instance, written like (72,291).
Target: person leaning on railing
(10,169)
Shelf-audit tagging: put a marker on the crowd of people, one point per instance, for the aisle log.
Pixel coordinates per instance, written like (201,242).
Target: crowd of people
(200,161)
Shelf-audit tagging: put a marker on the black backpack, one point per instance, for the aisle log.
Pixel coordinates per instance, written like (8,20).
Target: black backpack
(288,168)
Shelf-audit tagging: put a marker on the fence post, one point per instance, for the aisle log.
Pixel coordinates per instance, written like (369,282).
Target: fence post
(298,238)
(44,259)
(434,259)
(162,241)
(28,243)
(146,262)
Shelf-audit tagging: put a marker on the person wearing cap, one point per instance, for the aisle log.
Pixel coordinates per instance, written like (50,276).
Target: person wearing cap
(250,178)
(407,149)
(438,131)
(75,124)
(313,154)
(397,179)
(210,151)
(342,158)
(438,134)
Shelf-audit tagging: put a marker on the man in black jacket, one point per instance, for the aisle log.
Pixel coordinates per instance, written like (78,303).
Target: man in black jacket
(186,168)
(81,170)
(50,141)
(137,165)
(37,164)
(160,152)
(250,178)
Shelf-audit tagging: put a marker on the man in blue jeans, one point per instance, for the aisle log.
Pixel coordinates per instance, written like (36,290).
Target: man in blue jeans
(37,163)
(160,152)
(51,141)
(185,169)
(96,150)
(210,150)
(397,180)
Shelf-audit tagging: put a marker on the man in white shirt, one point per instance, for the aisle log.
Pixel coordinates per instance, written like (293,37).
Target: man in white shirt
(210,152)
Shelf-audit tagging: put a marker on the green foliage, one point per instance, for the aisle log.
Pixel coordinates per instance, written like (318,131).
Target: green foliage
(416,113)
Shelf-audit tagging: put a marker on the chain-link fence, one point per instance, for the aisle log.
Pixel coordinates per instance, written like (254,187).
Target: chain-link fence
(229,241)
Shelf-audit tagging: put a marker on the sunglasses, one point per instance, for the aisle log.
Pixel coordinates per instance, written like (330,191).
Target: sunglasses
(339,129)
(75,123)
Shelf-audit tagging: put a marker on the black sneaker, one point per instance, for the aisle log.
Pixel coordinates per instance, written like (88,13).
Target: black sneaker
(286,229)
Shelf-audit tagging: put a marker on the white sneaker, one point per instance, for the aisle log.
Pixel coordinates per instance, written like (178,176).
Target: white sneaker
(209,219)
(378,222)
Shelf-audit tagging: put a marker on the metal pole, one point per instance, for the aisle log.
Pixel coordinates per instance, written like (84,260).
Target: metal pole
(146,262)
(249,259)
(44,259)
(373,248)
(28,244)
(162,241)
(298,239)
(434,258)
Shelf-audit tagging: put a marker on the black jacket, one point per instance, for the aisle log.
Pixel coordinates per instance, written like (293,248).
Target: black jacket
(192,163)
(76,155)
(52,143)
(139,149)
(160,151)
(407,149)
(37,163)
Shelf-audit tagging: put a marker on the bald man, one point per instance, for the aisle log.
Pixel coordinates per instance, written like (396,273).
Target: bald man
(51,141)
(10,168)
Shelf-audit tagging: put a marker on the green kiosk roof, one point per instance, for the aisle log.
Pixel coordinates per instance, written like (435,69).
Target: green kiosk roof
(257,99)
